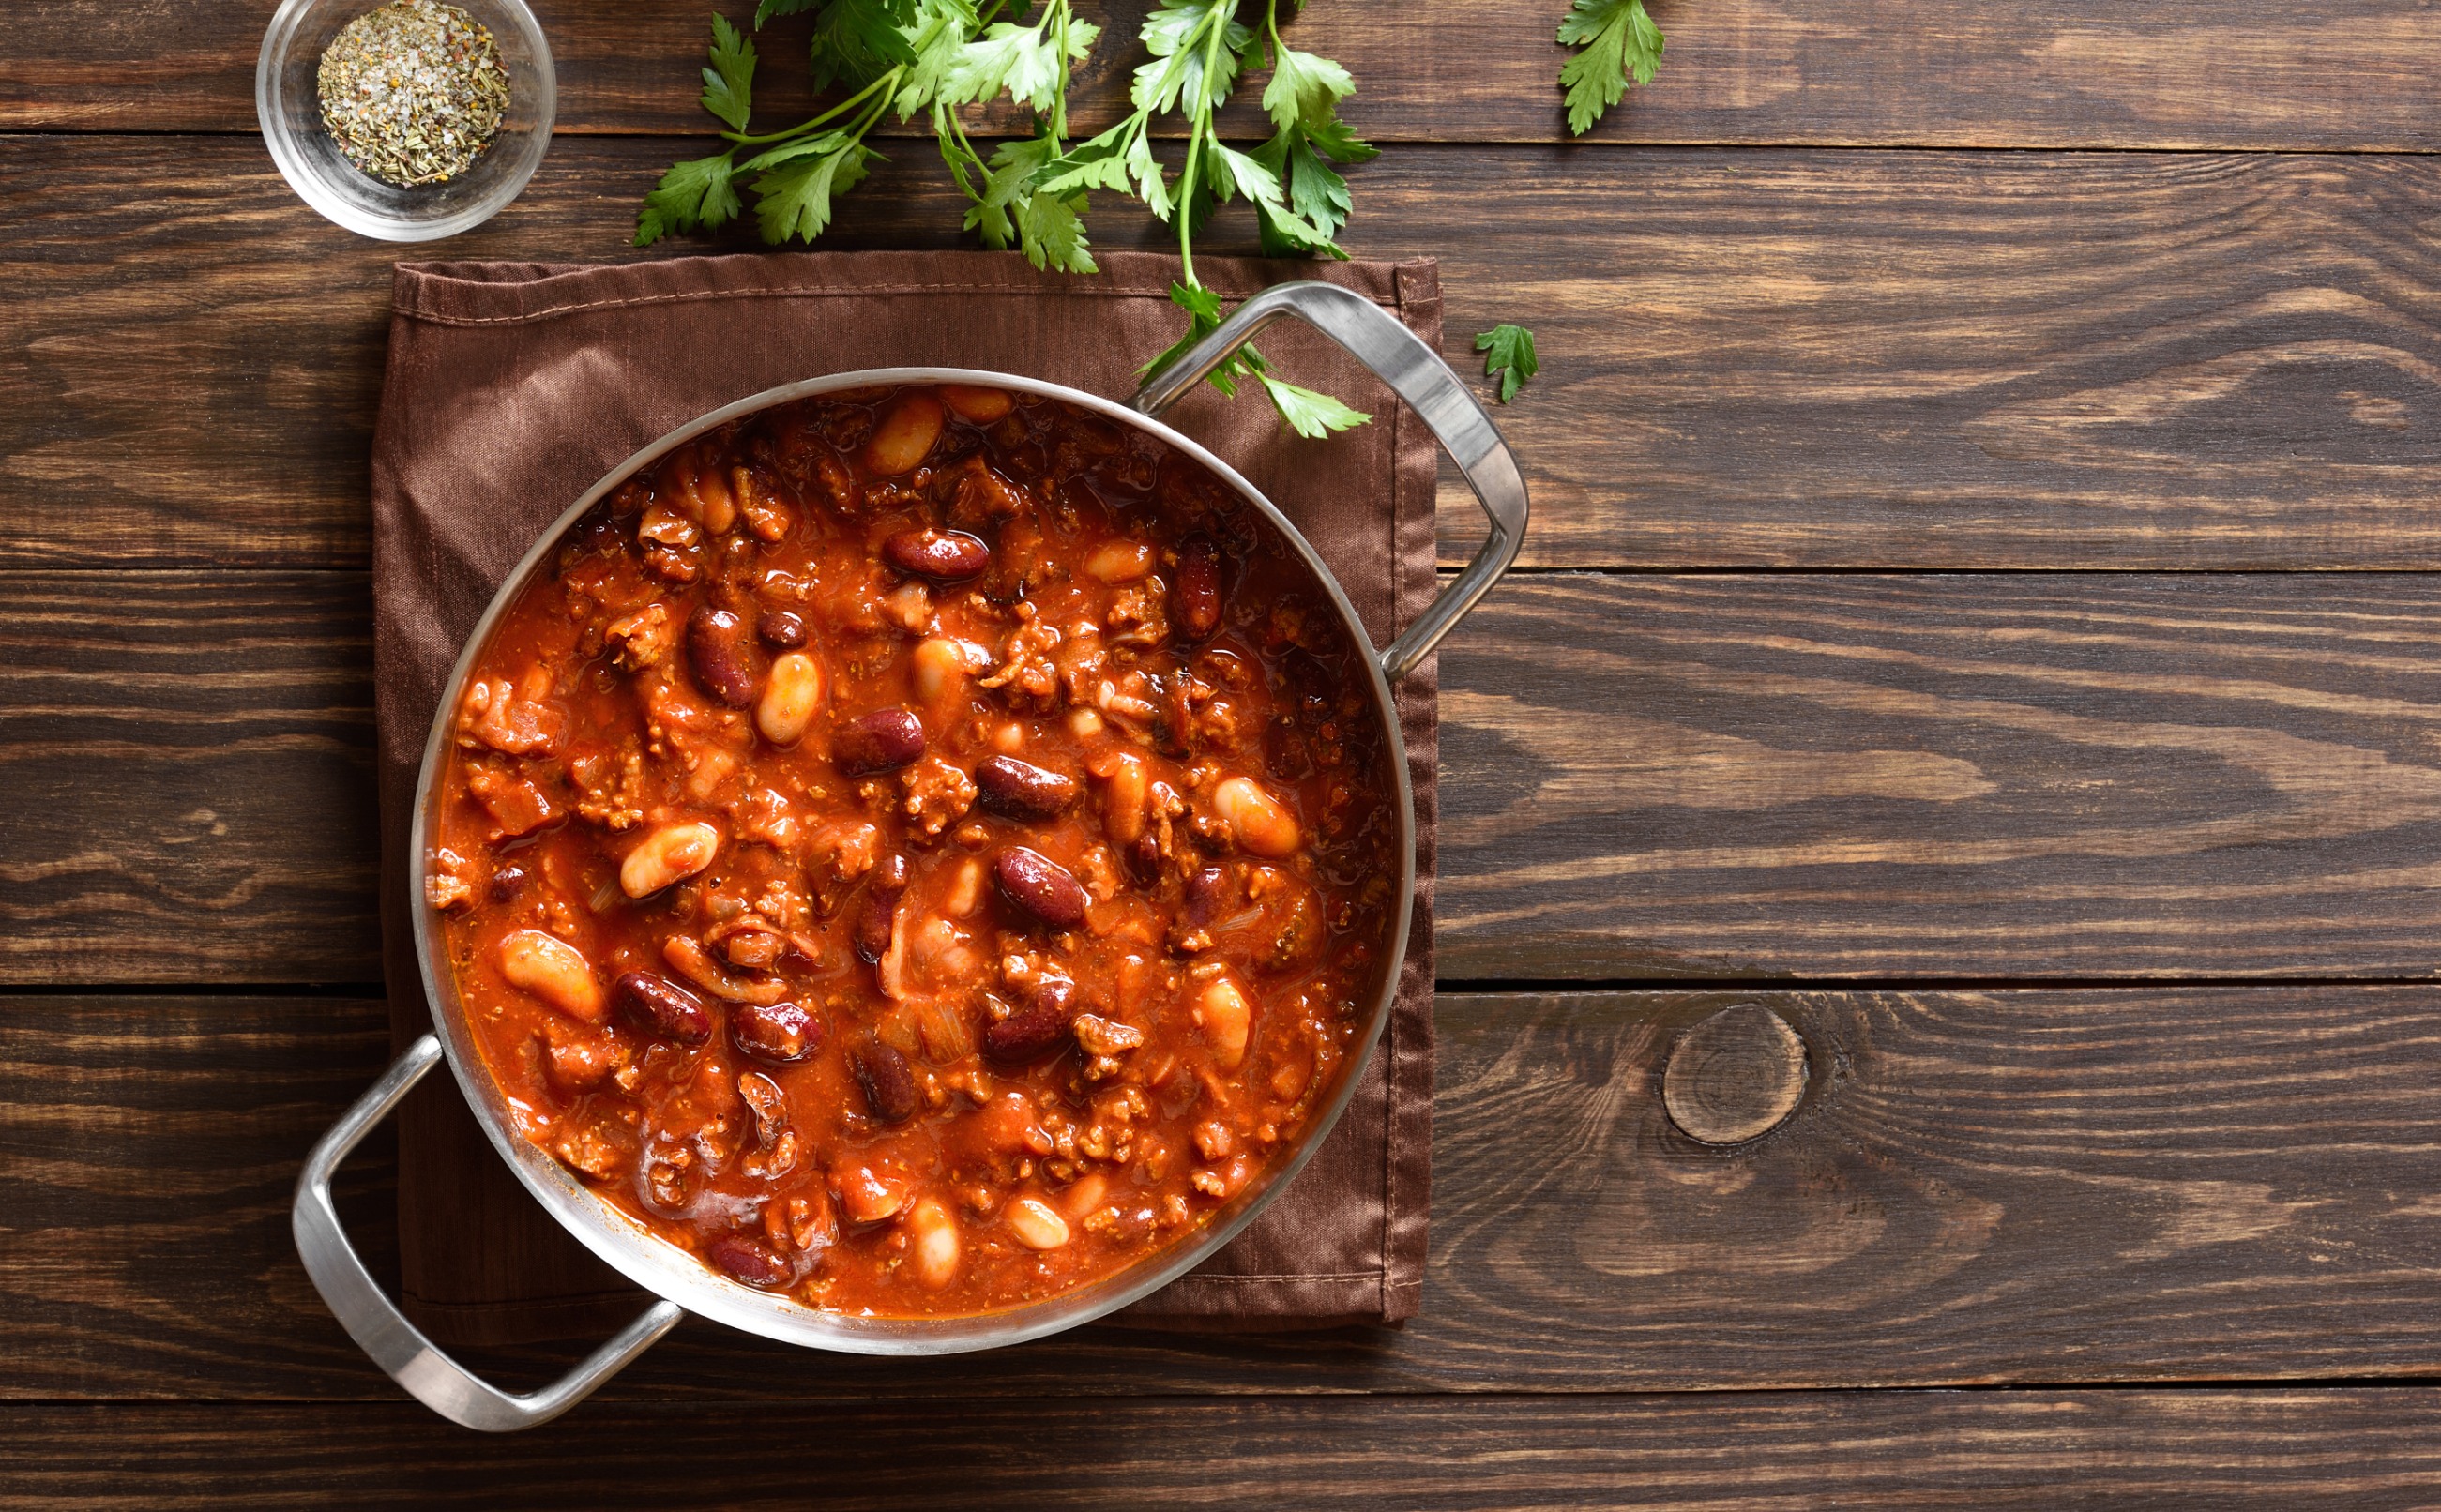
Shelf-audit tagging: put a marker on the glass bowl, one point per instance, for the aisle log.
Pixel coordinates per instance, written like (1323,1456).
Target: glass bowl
(290,106)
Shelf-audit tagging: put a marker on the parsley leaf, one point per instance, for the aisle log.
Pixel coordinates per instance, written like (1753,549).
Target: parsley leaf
(728,84)
(1617,39)
(793,198)
(855,42)
(934,43)
(1511,357)
(1202,308)
(1196,49)
(1309,412)
(1049,228)
(1051,232)
(1304,88)
(1314,192)
(1031,65)
(695,195)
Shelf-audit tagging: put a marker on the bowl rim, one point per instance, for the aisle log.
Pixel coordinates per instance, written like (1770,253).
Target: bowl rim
(664,1269)
(310,186)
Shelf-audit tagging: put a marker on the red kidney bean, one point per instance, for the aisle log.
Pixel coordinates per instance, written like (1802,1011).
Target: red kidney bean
(1041,1021)
(945,557)
(878,742)
(1041,887)
(507,881)
(1195,598)
(1143,859)
(888,1081)
(872,924)
(779,1033)
(782,629)
(749,1262)
(716,657)
(1021,790)
(661,1008)
(1203,892)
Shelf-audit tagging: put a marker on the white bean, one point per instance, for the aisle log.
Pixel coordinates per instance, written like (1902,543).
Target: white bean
(975,402)
(905,435)
(555,971)
(936,1236)
(669,854)
(715,506)
(1120,561)
(790,694)
(966,892)
(1128,788)
(1260,823)
(941,663)
(1227,1021)
(866,1196)
(1036,1225)
(1085,1195)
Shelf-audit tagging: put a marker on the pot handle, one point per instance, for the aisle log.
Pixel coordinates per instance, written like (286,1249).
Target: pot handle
(1418,375)
(383,1332)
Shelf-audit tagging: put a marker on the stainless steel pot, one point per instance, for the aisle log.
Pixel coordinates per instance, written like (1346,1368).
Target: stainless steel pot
(1419,377)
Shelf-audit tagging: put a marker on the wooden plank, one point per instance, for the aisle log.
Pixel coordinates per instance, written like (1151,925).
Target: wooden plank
(1750,359)
(2084,73)
(2135,1184)
(2041,1451)
(1979,776)
(188,769)
(1691,777)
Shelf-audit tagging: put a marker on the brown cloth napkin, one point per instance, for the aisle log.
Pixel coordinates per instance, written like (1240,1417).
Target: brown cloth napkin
(513,388)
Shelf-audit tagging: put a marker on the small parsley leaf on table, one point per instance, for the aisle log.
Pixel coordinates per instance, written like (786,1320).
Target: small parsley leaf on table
(1510,359)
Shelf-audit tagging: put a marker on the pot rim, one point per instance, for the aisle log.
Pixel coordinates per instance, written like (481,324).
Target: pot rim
(671,1272)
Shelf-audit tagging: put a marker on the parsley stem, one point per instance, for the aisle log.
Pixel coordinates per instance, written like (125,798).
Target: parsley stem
(890,79)
(1215,32)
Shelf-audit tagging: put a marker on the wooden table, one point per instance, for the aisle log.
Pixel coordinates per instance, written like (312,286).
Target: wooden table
(1985,472)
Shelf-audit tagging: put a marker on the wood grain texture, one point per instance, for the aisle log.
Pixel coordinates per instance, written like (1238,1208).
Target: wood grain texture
(187,777)
(1695,777)
(2142,1184)
(1749,358)
(1992,776)
(2087,73)
(2041,1451)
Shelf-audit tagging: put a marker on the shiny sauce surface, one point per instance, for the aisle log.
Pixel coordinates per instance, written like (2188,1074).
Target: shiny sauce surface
(920,851)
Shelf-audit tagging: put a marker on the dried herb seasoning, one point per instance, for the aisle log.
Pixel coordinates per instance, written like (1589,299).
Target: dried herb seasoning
(413,92)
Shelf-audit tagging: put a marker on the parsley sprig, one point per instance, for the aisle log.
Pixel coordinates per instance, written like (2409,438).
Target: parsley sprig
(935,59)
(1199,47)
(1616,40)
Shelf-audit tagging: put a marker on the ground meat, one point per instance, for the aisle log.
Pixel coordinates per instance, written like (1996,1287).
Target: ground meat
(516,804)
(981,499)
(1027,670)
(641,639)
(938,794)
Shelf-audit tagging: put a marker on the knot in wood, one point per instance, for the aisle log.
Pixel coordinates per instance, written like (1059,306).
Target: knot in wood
(1735,1077)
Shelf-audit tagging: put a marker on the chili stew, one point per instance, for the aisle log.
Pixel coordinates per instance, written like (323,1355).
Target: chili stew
(920,851)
